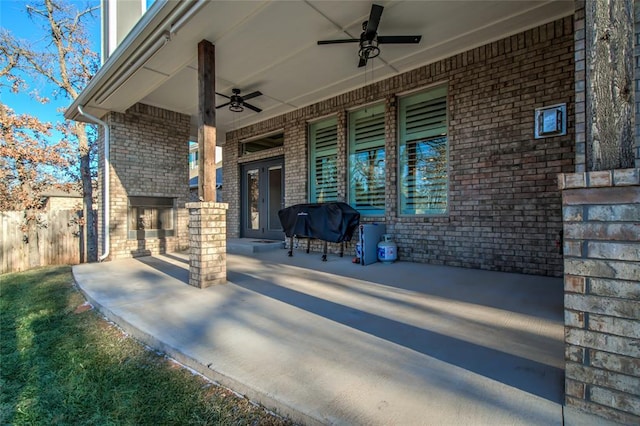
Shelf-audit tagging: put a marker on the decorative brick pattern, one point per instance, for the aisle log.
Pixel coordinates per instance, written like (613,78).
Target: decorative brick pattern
(504,204)
(207,244)
(602,292)
(149,157)
(580,39)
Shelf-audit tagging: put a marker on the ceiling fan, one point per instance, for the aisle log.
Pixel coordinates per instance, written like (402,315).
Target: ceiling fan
(237,102)
(369,39)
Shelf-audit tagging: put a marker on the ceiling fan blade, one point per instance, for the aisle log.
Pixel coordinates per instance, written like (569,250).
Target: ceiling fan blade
(399,39)
(252,95)
(223,105)
(224,96)
(251,107)
(345,40)
(363,60)
(373,22)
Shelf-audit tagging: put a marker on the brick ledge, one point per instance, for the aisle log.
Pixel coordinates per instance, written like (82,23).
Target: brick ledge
(599,179)
(206,205)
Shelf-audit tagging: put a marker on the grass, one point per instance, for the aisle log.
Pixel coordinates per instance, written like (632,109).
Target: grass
(61,363)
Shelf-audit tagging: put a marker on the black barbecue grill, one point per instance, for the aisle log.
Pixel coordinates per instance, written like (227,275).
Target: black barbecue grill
(329,222)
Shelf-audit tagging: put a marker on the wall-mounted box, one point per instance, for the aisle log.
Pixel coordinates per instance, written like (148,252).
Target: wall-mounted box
(551,121)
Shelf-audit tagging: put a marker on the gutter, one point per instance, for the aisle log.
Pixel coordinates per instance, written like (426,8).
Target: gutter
(152,27)
(105,193)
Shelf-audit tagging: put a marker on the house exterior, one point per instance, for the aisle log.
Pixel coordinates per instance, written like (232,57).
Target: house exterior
(480,147)
(499,205)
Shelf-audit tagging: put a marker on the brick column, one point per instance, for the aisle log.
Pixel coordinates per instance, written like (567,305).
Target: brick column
(207,244)
(601,213)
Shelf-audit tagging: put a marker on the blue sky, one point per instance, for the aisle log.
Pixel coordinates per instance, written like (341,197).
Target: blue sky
(14,17)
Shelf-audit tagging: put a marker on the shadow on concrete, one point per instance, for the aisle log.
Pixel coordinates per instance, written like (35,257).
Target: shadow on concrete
(176,271)
(534,377)
(541,297)
(525,374)
(180,259)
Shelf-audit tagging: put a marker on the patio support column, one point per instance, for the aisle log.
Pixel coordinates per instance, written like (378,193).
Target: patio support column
(601,215)
(207,219)
(206,121)
(207,244)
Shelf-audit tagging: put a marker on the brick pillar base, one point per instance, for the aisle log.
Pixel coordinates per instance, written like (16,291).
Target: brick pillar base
(207,243)
(601,212)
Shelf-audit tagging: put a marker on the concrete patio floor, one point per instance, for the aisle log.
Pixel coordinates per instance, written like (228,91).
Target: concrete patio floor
(338,343)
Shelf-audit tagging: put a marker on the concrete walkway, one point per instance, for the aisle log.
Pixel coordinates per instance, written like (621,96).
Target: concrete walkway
(338,343)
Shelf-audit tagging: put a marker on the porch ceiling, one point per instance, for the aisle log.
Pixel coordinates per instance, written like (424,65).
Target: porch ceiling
(271,46)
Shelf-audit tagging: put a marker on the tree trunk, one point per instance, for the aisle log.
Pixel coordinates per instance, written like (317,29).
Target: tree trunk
(610,34)
(87,195)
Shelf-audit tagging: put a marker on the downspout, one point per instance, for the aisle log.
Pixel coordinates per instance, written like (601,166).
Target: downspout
(105,192)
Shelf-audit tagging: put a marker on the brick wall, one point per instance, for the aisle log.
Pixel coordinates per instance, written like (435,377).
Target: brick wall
(580,40)
(602,292)
(504,204)
(149,157)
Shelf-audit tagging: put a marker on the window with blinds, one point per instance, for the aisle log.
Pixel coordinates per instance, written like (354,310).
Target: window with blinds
(367,160)
(423,153)
(323,142)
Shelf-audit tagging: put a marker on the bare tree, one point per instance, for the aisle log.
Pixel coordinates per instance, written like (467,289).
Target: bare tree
(67,62)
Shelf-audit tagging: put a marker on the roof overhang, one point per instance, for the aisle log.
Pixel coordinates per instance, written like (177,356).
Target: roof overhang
(271,46)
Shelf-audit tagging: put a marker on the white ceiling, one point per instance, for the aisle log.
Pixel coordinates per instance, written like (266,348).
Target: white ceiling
(271,46)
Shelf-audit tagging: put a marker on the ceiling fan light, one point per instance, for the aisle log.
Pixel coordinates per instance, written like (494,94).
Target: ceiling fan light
(236,107)
(369,49)
(369,52)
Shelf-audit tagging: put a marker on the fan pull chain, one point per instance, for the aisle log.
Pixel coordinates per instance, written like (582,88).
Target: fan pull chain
(370,97)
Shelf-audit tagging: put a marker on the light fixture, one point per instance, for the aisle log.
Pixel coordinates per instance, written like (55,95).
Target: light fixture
(235,106)
(369,48)
(236,101)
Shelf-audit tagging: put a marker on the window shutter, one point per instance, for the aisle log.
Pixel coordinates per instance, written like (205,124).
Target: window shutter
(426,119)
(423,153)
(367,160)
(324,162)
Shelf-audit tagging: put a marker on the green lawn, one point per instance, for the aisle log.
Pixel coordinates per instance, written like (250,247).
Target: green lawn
(63,364)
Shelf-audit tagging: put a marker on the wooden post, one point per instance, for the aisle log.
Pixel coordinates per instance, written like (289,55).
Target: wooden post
(610,82)
(207,121)
(207,218)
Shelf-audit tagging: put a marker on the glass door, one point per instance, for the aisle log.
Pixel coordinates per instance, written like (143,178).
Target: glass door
(262,197)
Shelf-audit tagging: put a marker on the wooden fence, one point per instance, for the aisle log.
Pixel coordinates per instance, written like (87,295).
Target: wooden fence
(54,238)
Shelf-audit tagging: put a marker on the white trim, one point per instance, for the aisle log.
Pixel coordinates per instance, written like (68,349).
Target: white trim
(155,23)
(263,135)
(324,117)
(426,87)
(110,88)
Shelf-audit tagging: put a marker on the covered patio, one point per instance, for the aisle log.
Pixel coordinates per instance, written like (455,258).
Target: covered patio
(339,343)
(529,165)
